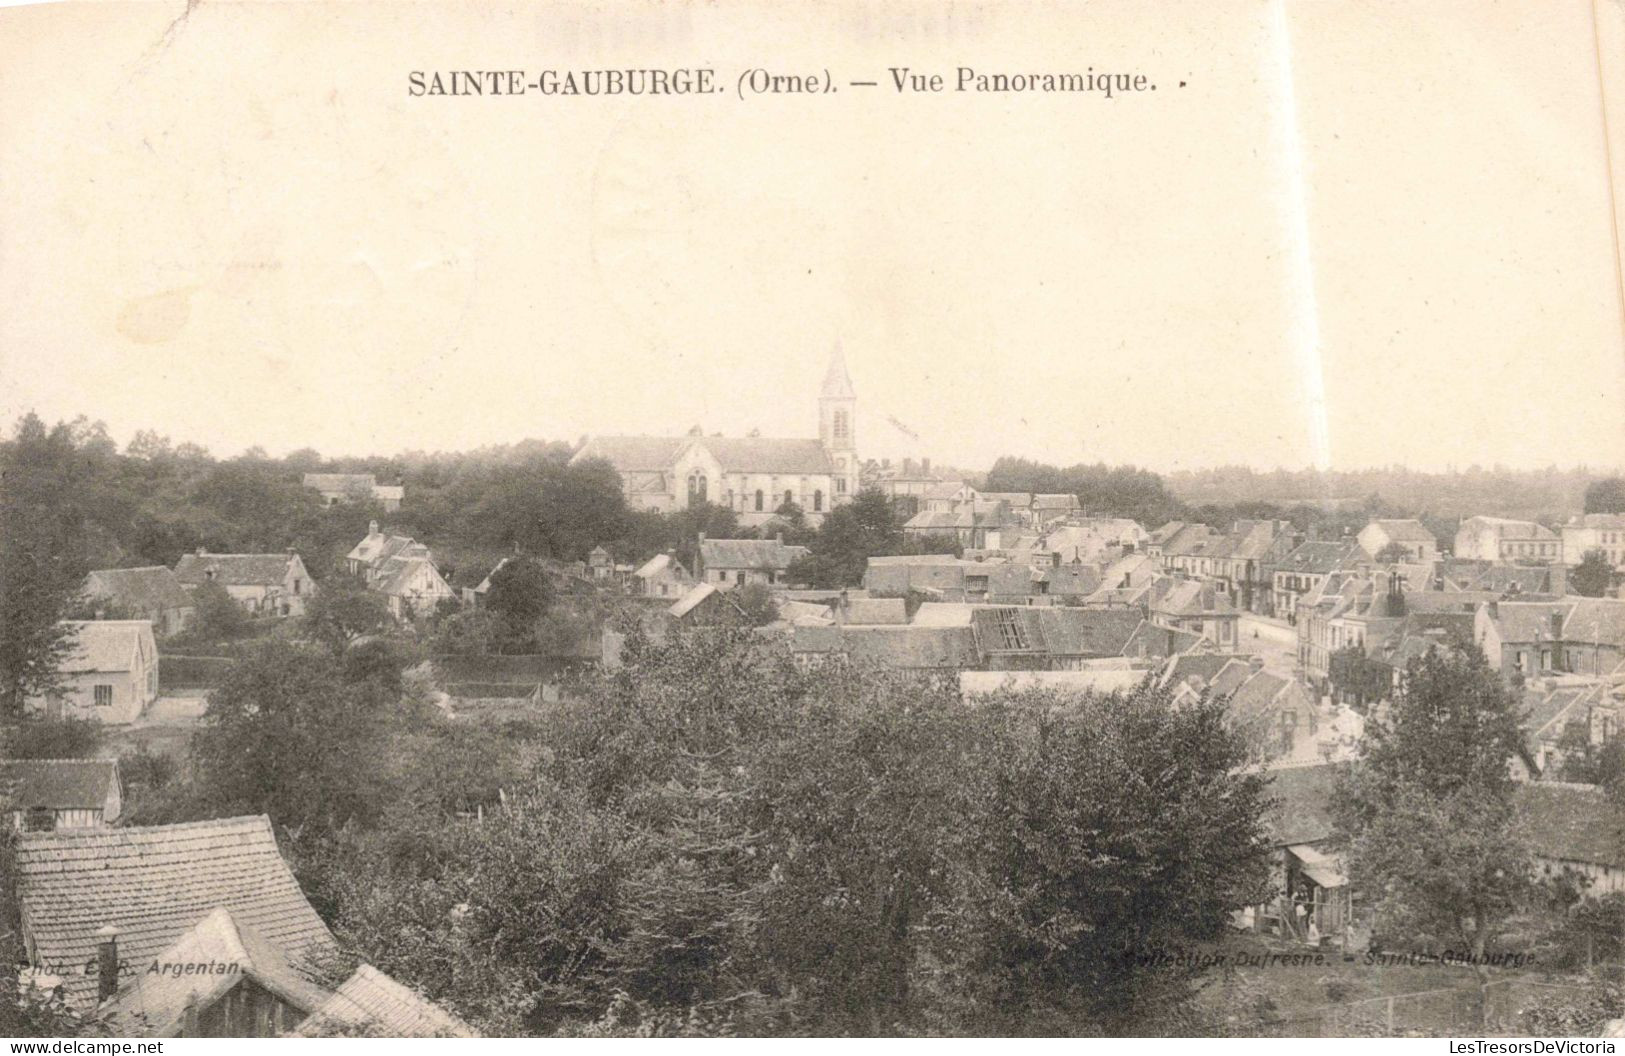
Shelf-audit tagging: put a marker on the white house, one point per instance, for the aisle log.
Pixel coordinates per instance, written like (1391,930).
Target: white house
(109,675)
(264,584)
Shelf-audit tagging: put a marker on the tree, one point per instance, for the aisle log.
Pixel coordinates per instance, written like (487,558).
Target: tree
(42,559)
(1593,575)
(1393,554)
(343,611)
(756,604)
(1427,818)
(1606,496)
(521,594)
(219,616)
(287,734)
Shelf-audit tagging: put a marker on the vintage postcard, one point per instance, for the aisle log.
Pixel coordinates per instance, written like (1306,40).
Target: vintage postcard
(716,518)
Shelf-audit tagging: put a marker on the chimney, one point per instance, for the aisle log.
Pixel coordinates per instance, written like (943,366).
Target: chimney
(1559,574)
(908,467)
(1256,663)
(106,962)
(925,467)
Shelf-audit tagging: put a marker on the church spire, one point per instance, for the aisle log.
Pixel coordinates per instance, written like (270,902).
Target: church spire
(837,384)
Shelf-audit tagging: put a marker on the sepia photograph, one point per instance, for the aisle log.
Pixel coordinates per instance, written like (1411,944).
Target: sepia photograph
(699,519)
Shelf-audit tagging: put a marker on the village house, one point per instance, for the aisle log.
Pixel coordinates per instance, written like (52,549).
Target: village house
(1312,902)
(1194,606)
(1532,581)
(753,476)
(662,576)
(264,584)
(1523,639)
(1027,638)
(946,497)
(152,594)
(1178,546)
(729,563)
(151,885)
(906,484)
(50,795)
(1417,542)
(1595,531)
(1575,829)
(233,983)
(1151,642)
(109,674)
(1501,539)
(909,647)
(1240,563)
(335,488)
(1569,716)
(978,529)
(1306,567)
(706,603)
(401,569)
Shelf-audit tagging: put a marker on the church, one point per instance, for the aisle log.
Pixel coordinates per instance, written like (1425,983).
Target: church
(753,475)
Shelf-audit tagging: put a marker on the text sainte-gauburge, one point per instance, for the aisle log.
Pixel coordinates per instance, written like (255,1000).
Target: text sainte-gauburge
(702,80)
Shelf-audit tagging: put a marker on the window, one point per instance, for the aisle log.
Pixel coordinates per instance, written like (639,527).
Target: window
(789,497)
(296,585)
(818,500)
(759,500)
(843,427)
(840,485)
(39,819)
(104,696)
(697,488)
(739,578)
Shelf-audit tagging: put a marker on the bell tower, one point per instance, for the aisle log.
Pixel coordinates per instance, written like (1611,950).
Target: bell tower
(837,425)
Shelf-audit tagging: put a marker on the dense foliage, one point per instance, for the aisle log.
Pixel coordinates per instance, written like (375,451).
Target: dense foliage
(713,839)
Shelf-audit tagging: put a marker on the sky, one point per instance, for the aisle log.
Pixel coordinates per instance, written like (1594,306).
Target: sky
(1341,232)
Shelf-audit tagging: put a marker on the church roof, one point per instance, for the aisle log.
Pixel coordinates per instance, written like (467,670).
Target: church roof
(630,454)
(837,384)
(757,454)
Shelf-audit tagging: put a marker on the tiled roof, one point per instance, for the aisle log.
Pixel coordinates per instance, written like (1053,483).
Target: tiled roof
(105,645)
(1596,620)
(372,1000)
(1529,621)
(1505,528)
(1303,811)
(908,646)
(630,454)
(758,454)
(1405,531)
(339,481)
(760,554)
(1190,597)
(59,784)
(1086,632)
(875,611)
(1203,666)
(154,1003)
(1614,521)
(1062,501)
(139,589)
(1318,557)
(1151,640)
(1575,823)
(1258,692)
(153,884)
(234,570)
(1091,680)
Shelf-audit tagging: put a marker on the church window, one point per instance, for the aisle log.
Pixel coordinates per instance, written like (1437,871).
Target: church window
(696,488)
(840,485)
(818,501)
(759,500)
(842,427)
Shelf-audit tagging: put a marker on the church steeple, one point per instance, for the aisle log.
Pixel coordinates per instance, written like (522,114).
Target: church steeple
(837,385)
(837,426)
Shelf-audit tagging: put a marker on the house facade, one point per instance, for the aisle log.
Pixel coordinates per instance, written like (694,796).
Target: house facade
(264,584)
(401,569)
(109,675)
(52,795)
(1502,539)
(1418,544)
(729,563)
(335,488)
(1595,531)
